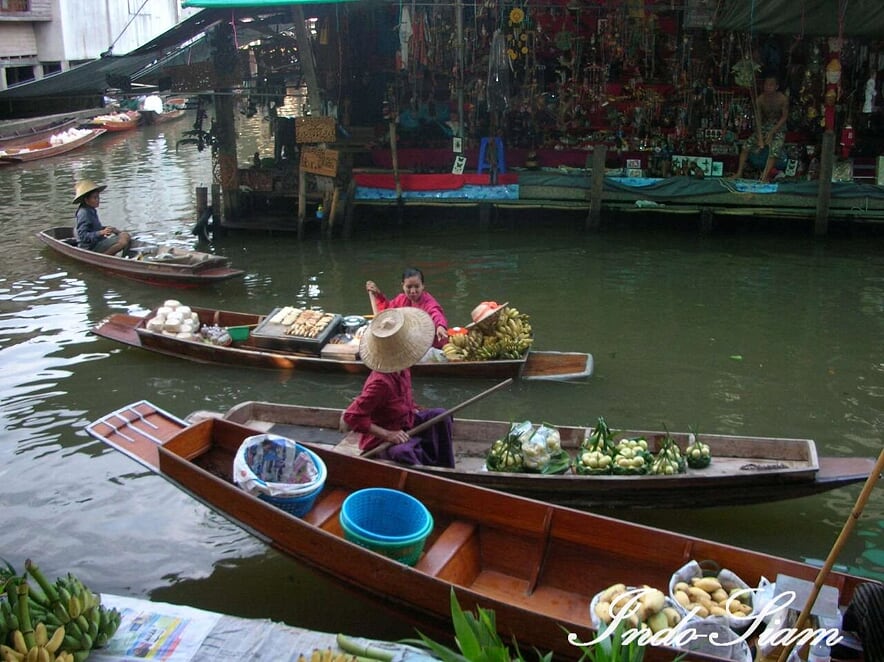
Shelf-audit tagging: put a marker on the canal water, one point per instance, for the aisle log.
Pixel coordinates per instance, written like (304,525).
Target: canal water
(756,331)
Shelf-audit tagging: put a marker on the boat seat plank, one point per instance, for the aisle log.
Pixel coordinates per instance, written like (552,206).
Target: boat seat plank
(459,543)
(326,508)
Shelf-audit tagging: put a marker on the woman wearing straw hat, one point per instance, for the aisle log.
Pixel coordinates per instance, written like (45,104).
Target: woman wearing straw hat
(384,410)
(91,234)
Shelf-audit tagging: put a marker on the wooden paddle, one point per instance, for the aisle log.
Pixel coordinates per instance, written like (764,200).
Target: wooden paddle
(432,421)
(836,549)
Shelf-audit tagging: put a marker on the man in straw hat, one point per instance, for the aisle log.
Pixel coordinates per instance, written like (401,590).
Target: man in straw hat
(91,234)
(384,410)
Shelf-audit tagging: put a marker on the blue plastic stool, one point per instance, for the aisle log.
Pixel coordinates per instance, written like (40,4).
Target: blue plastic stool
(498,148)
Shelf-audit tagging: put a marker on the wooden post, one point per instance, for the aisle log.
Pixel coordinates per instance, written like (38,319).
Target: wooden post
(202,200)
(594,218)
(827,164)
(350,209)
(302,201)
(333,210)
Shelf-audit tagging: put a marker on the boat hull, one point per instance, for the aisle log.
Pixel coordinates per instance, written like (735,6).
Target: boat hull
(536,565)
(132,331)
(34,134)
(744,471)
(202,271)
(43,149)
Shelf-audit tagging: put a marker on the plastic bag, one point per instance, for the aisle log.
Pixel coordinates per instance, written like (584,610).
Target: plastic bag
(276,466)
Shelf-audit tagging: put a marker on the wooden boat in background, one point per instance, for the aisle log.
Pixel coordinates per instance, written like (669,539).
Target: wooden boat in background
(33,134)
(125,121)
(44,148)
(744,470)
(536,565)
(132,330)
(156,265)
(168,116)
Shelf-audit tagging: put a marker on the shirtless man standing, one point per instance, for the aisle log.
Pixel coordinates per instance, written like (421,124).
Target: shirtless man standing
(773,110)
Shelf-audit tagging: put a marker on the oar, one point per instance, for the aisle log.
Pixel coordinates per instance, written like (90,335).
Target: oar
(432,421)
(836,549)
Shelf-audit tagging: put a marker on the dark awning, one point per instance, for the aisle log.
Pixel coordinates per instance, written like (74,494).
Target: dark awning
(862,18)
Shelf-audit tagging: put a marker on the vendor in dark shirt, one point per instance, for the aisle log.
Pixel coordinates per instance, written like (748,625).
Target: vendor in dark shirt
(91,234)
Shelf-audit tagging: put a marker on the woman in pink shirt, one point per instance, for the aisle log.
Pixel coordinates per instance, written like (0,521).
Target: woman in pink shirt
(384,410)
(413,296)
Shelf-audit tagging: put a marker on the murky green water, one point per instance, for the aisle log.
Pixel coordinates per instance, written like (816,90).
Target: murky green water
(748,332)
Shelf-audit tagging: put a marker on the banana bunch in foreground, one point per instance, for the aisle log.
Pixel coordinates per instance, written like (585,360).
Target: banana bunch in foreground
(327,655)
(506,335)
(43,648)
(353,651)
(67,608)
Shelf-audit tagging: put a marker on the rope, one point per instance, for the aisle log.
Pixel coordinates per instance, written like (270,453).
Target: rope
(126,27)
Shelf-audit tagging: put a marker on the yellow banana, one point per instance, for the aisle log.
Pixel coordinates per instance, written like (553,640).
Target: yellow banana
(40,634)
(42,654)
(315,656)
(32,654)
(55,640)
(10,654)
(18,642)
(74,607)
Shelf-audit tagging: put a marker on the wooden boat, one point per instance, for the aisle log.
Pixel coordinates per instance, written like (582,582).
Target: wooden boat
(168,116)
(744,470)
(32,134)
(157,265)
(537,565)
(255,352)
(44,148)
(118,121)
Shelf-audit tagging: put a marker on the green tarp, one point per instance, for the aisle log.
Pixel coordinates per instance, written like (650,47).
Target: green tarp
(862,18)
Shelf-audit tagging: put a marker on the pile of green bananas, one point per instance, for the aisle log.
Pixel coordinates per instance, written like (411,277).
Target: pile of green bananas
(506,335)
(697,453)
(67,608)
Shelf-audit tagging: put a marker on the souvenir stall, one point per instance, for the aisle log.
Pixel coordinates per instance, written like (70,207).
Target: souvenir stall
(668,88)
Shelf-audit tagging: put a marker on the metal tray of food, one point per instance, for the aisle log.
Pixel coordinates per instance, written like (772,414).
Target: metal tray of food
(296,330)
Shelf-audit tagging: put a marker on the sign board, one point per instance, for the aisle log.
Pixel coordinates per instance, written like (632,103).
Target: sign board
(319,161)
(314,130)
(460,163)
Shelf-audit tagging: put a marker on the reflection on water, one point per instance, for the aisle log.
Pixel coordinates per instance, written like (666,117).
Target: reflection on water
(742,333)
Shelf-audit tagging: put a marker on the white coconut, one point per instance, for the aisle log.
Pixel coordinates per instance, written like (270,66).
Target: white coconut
(172,303)
(184,311)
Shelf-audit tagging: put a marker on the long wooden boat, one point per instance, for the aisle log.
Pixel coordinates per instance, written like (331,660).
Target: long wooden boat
(147,263)
(537,565)
(253,352)
(744,470)
(169,116)
(118,121)
(32,134)
(44,148)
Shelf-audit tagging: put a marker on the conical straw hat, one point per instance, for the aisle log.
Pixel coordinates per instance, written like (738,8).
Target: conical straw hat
(396,339)
(84,188)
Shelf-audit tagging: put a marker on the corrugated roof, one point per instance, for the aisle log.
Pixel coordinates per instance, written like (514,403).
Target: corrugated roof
(144,64)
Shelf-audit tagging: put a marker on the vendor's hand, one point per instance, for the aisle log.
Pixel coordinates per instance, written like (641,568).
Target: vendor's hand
(395,436)
(441,333)
(371,288)
(106,232)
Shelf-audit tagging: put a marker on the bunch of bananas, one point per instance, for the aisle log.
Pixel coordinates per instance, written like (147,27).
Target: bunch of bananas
(67,608)
(505,335)
(327,655)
